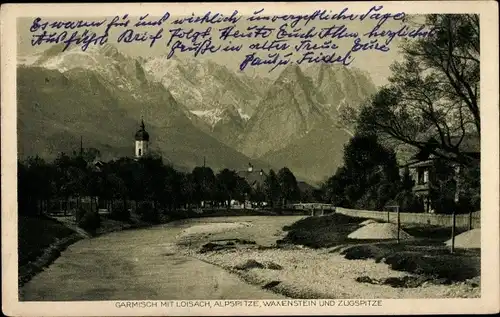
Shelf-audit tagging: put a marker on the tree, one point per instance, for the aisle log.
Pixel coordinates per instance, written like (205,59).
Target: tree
(242,190)
(407,182)
(130,172)
(152,178)
(288,186)
(188,189)
(405,198)
(433,93)
(116,189)
(442,187)
(90,154)
(369,177)
(71,178)
(229,186)
(334,188)
(173,188)
(35,185)
(272,188)
(258,194)
(204,181)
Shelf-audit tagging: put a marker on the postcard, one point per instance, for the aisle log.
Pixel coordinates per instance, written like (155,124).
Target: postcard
(304,158)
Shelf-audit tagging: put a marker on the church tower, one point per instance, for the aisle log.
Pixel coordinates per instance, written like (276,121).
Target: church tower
(141,141)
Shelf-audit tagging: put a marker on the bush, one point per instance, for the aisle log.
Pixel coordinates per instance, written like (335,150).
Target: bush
(79,213)
(409,202)
(120,212)
(362,252)
(446,266)
(413,262)
(147,213)
(90,221)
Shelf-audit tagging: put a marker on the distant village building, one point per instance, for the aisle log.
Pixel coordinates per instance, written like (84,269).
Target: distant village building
(254,178)
(141,141)
(420,167)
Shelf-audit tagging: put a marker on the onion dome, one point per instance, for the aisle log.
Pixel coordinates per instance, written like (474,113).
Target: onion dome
(141,134)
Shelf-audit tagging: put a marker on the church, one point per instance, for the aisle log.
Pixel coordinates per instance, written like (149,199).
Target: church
(141,141)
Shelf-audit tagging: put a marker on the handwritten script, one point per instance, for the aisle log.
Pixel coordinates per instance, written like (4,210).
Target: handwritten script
(262,39)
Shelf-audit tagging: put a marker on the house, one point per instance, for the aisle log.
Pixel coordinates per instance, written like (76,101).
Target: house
(420,165)
(254,178)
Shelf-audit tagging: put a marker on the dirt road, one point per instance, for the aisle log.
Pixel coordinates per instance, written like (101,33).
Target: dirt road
(135,264)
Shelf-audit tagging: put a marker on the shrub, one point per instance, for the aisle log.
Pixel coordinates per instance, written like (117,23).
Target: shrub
(90,221)
(80,212)
(119,211)
(249,264)
(147,213)
(408,202)
(362,252)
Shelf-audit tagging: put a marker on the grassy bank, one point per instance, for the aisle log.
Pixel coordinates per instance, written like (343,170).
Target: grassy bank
(35,234)
(40,241)
(321,232)
(431,262)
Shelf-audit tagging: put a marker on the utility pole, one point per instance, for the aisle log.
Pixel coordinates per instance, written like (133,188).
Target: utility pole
(81,145)
(203,182)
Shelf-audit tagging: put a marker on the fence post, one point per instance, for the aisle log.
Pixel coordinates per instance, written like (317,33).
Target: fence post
(453,232)
(399,221)
(470,219)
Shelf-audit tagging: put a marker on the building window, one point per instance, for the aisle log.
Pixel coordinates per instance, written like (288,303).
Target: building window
(423,176)
(139,152)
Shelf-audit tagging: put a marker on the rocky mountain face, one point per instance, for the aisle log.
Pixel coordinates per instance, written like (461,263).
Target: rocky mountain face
(286,113)
(297,122)
(192,108)
(222,99)
(338,87)
(100,95)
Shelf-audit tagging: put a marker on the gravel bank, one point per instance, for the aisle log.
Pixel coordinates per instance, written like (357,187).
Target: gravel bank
(468,240)
(379,231)
(212,228)
(308,273)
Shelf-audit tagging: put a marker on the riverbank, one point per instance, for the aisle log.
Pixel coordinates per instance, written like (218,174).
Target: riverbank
(257,250)
(137,264)
(42,239)
(336,271)
(308,273)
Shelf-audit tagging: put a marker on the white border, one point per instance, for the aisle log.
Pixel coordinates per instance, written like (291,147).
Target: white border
(490,281)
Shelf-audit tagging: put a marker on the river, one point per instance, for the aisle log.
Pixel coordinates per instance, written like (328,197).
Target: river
(135,265)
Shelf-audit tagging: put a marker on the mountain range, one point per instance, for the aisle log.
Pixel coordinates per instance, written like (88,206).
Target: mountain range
(193,109)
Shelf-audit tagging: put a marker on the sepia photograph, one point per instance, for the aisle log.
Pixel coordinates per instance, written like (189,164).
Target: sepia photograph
(203,158)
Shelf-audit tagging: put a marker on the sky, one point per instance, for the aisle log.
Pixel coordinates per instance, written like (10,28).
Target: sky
(375,63)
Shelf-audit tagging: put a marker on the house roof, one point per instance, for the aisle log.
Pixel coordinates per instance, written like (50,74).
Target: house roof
(470,144)
(253,178)
(303,186)
(420,163)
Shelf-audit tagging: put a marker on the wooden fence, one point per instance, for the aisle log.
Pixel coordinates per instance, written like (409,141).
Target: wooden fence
(462,220)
